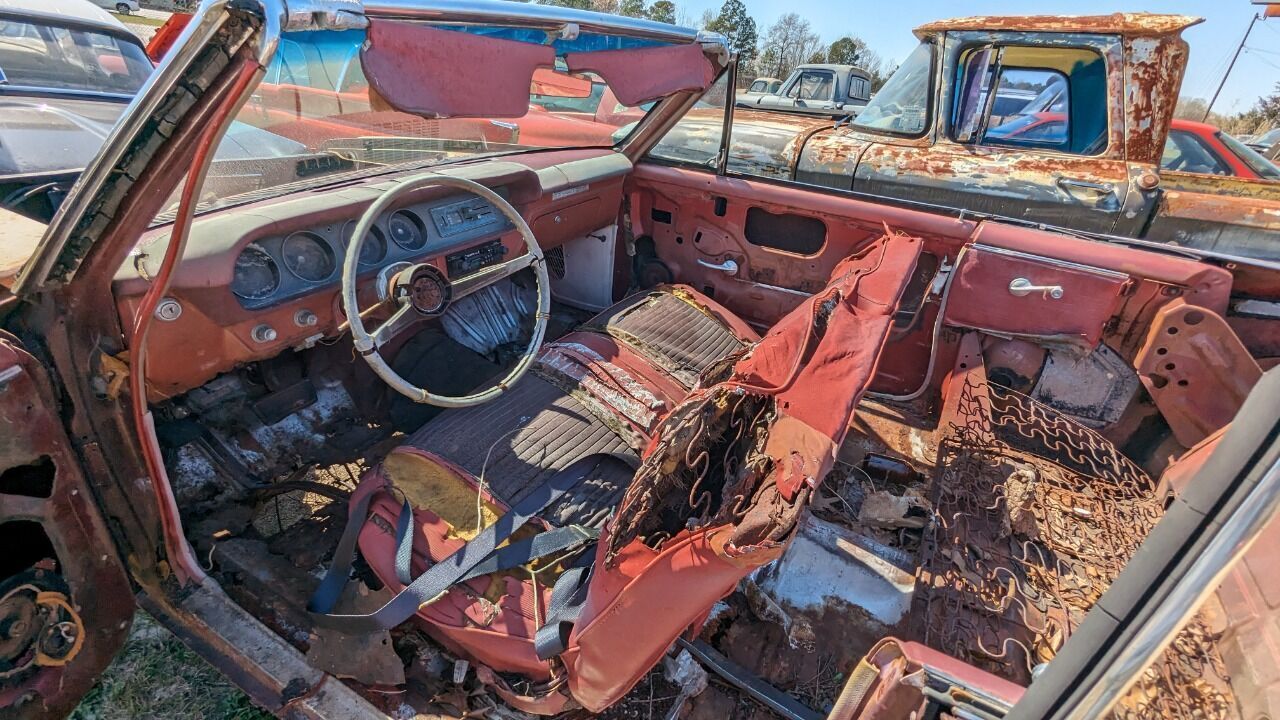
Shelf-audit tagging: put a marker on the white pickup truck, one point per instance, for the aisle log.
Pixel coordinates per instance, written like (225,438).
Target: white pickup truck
(834,90)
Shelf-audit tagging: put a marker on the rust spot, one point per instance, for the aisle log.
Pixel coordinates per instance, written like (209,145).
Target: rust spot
(1127,24)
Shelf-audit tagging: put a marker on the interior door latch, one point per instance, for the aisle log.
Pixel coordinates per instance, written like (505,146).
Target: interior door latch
(1022,287)
(729,266)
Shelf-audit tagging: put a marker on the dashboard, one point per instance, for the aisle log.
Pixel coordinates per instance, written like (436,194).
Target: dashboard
(277,268)
(265,277)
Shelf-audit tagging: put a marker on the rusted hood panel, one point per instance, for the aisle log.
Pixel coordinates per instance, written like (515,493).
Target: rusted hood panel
(1127,24)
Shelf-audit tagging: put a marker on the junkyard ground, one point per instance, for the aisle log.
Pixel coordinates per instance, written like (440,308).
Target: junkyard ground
(156,676)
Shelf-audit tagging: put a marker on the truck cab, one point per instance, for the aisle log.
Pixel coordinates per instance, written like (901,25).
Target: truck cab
(959,126)
(816,89)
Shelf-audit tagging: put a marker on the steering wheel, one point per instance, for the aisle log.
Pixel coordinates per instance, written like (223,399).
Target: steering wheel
(421,290)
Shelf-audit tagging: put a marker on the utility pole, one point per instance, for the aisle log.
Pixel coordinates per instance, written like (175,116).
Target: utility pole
(1230,65)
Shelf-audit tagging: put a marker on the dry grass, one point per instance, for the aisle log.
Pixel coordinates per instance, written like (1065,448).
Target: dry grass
(136,19)
(156,676)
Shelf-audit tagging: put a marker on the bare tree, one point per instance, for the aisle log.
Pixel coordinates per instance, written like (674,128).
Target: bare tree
(789,42)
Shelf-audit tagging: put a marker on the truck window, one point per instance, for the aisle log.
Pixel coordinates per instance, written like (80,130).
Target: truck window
(758,86)
(812,85)
(1031,108)
(1184,152)
(1033,97)
(859,88)
(902,105)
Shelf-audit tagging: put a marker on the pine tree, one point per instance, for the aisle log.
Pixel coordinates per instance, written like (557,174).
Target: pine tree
(739,28)
(663,11)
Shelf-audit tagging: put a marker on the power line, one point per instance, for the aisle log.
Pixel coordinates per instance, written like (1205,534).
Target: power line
(1253,21)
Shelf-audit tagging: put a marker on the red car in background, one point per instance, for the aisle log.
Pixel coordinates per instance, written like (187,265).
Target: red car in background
(1191,147)
(1203,148)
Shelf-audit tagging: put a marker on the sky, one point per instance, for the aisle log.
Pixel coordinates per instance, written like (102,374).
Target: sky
(886,26)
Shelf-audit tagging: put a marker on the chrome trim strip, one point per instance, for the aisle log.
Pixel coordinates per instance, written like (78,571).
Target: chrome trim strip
(1232,540)
(1045,260)
(518,14)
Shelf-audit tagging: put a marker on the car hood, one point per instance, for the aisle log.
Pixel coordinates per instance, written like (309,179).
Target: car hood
(48,135)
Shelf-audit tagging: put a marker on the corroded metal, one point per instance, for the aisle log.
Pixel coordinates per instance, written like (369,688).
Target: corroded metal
(1035,516)
(1132,24)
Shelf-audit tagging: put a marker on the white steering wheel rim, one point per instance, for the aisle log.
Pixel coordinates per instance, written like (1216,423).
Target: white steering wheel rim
(364,342)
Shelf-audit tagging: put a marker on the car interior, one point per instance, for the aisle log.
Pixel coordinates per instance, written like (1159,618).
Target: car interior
(554,410)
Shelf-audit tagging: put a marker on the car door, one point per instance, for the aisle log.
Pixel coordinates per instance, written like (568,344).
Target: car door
(1022,131)
(760,242)
(65,601)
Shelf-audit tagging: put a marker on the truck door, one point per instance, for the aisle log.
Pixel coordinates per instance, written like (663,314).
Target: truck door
(65,601)
(807,91)
(1027,131)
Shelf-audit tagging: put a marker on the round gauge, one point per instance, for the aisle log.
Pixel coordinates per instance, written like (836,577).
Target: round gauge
(426,288)
(308,256)
(374,248)
(256,275)
(406,230)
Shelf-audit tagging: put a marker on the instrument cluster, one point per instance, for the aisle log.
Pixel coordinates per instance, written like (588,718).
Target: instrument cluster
(274,269)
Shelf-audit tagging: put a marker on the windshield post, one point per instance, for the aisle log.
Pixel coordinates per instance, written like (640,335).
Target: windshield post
(731,89)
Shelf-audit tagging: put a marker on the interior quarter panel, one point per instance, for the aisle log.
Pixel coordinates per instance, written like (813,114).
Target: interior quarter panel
(63,510)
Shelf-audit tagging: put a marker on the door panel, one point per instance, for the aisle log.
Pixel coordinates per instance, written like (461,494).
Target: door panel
(1017,293)
(699,224)
(1109,292)
(60,576)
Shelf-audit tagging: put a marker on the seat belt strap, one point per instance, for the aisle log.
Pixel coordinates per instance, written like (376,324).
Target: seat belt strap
(404,544)
(432,584)
(567,598)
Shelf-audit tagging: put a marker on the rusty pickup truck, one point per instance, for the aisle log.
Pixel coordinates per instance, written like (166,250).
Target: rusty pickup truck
(954,129)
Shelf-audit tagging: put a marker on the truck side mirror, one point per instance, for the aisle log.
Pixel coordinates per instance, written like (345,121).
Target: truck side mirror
(976,87)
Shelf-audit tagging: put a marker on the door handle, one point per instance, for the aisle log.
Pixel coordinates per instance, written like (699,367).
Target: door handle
(1067,183)
(728,267)
(1022,287)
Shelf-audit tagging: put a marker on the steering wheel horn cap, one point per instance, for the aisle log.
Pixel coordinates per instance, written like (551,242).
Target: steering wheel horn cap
(425,287)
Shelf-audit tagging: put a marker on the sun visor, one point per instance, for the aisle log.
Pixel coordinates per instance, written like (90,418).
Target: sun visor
(643,74)
(444,73)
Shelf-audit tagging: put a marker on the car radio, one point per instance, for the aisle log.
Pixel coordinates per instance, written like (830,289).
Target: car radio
(472,259)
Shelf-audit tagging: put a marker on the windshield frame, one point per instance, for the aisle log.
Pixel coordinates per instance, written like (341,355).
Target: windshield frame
(74,24)
(70,239)
(307,44)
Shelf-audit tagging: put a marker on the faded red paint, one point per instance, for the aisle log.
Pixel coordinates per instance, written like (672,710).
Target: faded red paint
(1196,369)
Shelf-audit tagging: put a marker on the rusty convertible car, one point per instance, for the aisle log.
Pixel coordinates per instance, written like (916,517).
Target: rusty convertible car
(426,429)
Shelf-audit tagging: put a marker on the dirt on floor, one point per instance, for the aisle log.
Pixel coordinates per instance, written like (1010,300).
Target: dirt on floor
(156,676)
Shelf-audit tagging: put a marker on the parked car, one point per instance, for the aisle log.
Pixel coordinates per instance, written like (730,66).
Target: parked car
(1266,141)
(124,7)
(760,86)
(70,69)
(829,90)
(495,431)
(930,138)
